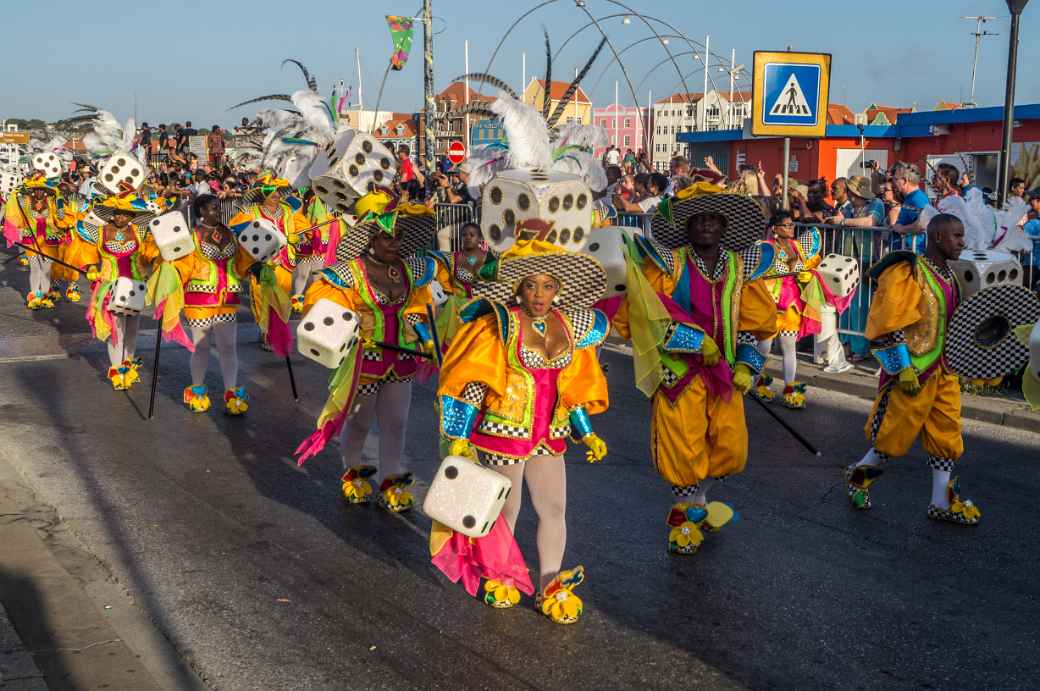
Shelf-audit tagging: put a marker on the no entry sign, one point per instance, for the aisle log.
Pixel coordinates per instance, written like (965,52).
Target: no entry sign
(456,152)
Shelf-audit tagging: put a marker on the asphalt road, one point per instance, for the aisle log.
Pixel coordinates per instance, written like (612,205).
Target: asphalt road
(262,578)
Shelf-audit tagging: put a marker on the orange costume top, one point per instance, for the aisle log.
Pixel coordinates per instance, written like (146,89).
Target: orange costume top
(212,276)
(47,230)
(509,401)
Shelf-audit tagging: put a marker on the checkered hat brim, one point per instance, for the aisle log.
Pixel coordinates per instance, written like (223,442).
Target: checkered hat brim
(105,213)
(745,221)
(416,233)
(967,355)
(582,279)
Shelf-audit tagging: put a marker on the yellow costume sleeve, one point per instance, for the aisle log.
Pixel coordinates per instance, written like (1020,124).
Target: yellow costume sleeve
(12,212)
(582,383)
(82,253)
(243,260)
(476,355)
(896,302)
(417,301)
(68,218)
(240,217)
(757,310)
(323,290)
(187,267)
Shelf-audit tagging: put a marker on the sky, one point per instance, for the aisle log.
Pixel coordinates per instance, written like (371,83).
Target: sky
(191,60)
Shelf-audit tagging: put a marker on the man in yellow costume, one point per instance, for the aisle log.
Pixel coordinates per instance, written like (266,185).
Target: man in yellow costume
(694,313)
(919,396)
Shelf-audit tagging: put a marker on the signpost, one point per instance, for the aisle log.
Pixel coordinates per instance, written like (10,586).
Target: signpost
(790,94)
(456,152)
(14,137)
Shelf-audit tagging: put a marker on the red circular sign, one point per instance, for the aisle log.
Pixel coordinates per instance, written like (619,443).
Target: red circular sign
(456,152)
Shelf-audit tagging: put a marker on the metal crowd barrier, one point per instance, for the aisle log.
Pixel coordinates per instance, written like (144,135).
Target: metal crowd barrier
(450,219)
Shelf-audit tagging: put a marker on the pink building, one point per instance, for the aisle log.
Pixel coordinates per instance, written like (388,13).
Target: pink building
(623,125)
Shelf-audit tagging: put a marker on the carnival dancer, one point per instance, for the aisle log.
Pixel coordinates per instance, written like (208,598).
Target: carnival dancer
(799,296)
(39,218)
(694,313)
(457,272)
(118,249)
(918,396)
(209,286)
(271,198)
(379,278)
(317,245)
(521,376)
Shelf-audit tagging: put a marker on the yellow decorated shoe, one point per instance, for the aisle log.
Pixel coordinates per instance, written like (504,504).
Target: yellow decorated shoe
(296,302)
(196,398)
(116,377)
(500,595)
(961,511)
(392,493)
(356,488)
(129,369)
(72,293)
(558,601)
(54,295)
(236,401)
(32,301)
(793,398)
(685,538)
(761,391)
(858,480)
(46,303)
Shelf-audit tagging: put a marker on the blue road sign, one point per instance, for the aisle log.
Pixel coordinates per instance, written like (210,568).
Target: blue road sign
(791,94)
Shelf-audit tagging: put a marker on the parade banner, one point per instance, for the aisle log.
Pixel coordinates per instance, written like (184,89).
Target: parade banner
(401,34)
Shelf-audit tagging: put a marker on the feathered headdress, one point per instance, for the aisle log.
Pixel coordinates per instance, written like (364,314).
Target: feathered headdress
(532,139)
(108,136)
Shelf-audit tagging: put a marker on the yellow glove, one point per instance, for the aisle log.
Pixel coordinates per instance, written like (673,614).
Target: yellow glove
(429,347)
(742,378)
(462,447)
(908,382)
(597,447)
(803,277)
(92,274)
(710,351)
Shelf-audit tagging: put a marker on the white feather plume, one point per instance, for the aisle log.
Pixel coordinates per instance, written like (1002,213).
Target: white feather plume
(586,136)
(583,163)
(527,133)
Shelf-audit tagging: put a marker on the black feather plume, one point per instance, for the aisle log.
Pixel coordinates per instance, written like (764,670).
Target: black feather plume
(548,75)
(312,83)
(475,108)
(573,88)
(489,79)
(269,97)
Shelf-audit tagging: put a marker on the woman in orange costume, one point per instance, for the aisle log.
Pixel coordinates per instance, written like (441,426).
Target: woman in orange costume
(38,218)
(520,377)
(380,280)
(118,249)
(271,199)
(694,312)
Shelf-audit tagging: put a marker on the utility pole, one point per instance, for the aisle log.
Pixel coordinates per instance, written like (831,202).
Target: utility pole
(979,34)
(1016,7)
(429,157)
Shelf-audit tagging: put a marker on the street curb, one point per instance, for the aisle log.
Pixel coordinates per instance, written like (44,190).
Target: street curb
(863,384)
(71,642)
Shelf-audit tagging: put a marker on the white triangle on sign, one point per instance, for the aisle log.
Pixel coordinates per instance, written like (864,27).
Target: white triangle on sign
(791,100)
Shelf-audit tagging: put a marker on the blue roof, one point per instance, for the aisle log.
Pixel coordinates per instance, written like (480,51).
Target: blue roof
(907,124)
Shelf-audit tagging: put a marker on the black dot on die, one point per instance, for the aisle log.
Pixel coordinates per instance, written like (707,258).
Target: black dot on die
(347,316)
(620,288)
(256,237)
(176,229)
(308,326)
(315,352)
(327,321)
(268,237)
(451,472)
(594,247)
(155,222)
(469,521)
(256,224)
(132,293)
(177,248)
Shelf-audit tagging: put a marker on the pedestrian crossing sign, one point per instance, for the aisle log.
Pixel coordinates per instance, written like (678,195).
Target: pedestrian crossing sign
(790,94)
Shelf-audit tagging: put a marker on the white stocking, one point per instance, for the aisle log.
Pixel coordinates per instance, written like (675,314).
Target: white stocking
(199,360)
(547,484)
(392,404)
(352,439)
(39,274)
(225,336)
(125,332)
(788,346)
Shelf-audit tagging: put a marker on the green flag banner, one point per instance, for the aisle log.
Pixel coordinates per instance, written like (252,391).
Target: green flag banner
(401,35)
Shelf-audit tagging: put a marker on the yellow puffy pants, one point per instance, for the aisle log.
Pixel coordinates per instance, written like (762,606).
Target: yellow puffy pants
(698,436)
(934,414)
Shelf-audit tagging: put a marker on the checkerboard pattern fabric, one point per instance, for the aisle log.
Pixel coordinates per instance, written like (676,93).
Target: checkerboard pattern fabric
(981,343)
(943,464)
(684,490)
(207,322)
(746,224)
(582,277)
(500,429)
(879,416)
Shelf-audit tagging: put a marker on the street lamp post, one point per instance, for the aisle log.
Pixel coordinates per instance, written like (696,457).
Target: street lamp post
(429,162)
(1016,7)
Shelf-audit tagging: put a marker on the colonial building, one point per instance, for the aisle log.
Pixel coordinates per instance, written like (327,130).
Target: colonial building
(579,109)
(693,112)
(624,126)
(449,129)
(399,129)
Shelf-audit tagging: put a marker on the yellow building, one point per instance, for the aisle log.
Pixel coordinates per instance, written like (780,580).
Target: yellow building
(579,109)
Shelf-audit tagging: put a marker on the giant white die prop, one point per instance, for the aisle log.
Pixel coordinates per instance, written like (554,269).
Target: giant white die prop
(172,236)
(980,269)
(466,497)
(121,167)
(347,168)
(261,239)
(840,274)
(607,245)
(127,297)
(47,163)
(513,196)
(327,333)
(9,182)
